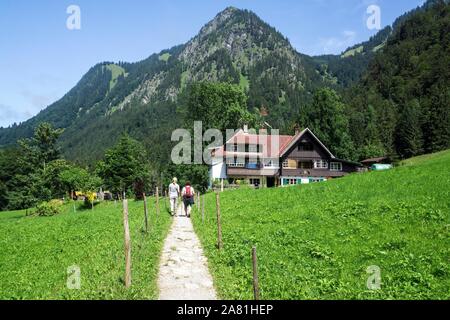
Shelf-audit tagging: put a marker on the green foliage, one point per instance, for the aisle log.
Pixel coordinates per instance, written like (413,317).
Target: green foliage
(197,175)
(328,121)
(409,140)
(3,196)
(317,241)
(407,84)
(48,209)
(73,179)
(51,177)
(40,150)
(37,252)
(400,64)
(8,169)
(219,105)
(349,67)
(38,167)
(125,167)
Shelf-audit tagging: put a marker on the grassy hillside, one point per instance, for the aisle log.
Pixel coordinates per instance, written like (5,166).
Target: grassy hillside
(317,241)
(36,253)
(116,71)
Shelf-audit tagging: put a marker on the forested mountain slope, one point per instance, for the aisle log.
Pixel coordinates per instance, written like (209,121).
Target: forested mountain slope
(395,88)
(141,98)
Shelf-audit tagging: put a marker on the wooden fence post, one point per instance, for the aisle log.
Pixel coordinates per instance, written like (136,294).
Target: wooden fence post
(219,224)
(145,213)
(198,201)
(157,201)
(203,208)
(165,200)
(255,274)
(127,244)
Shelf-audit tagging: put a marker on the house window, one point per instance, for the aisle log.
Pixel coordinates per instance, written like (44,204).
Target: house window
(290,164)
(305,165)
(336,166)
(321,164)
(255,182)
(270,164)
(316,180)
(253,148)
(305,146)
(233,147)
(291,181)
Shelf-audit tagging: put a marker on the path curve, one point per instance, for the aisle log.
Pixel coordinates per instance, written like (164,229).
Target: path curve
(183,270)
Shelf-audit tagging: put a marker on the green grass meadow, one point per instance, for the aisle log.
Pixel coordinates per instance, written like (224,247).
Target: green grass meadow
(36,252)
(317,241)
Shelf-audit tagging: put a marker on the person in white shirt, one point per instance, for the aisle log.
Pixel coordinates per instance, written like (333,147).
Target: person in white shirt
(174,194)
(188,198)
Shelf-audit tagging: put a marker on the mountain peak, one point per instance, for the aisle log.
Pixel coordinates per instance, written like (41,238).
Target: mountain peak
(228,10)
(219,20)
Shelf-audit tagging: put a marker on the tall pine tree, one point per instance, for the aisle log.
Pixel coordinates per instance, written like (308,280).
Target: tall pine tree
(408,134)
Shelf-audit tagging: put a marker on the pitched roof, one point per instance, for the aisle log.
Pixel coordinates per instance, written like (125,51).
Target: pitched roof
(379,159)
(285,143)
(269,142)
(298,136)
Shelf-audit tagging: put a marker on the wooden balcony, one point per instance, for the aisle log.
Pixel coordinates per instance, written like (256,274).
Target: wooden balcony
(251,171)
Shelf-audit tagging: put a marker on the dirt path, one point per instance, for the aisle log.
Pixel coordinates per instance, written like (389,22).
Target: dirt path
(183,270)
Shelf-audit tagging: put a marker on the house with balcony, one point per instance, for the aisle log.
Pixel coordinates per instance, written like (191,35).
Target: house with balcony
(277,160)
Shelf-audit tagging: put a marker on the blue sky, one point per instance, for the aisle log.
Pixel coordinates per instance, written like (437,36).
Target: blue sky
(40,59)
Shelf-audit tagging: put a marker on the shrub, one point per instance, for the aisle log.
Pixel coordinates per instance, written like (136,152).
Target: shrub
(48,209)
(218,183)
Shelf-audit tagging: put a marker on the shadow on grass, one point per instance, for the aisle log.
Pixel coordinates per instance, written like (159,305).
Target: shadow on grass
(82,206)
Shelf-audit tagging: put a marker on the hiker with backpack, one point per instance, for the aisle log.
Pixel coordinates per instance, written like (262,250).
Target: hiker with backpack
(188,198)
(174,194)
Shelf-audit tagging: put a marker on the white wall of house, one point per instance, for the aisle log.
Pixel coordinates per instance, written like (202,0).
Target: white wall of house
(218,170)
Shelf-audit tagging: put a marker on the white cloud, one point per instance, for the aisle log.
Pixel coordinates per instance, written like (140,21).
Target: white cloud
(9,115)
(334,45)
(31,104)
(37,101)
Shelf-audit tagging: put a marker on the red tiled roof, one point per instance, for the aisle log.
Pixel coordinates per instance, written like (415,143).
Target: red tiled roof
(266,141)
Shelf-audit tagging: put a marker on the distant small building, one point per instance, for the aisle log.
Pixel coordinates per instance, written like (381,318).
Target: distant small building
(381,167)
(265,160)
(380,160)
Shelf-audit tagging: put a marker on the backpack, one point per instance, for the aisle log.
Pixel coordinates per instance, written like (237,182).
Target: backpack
(188,192)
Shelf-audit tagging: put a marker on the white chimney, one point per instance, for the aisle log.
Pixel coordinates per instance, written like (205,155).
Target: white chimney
(245,128)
